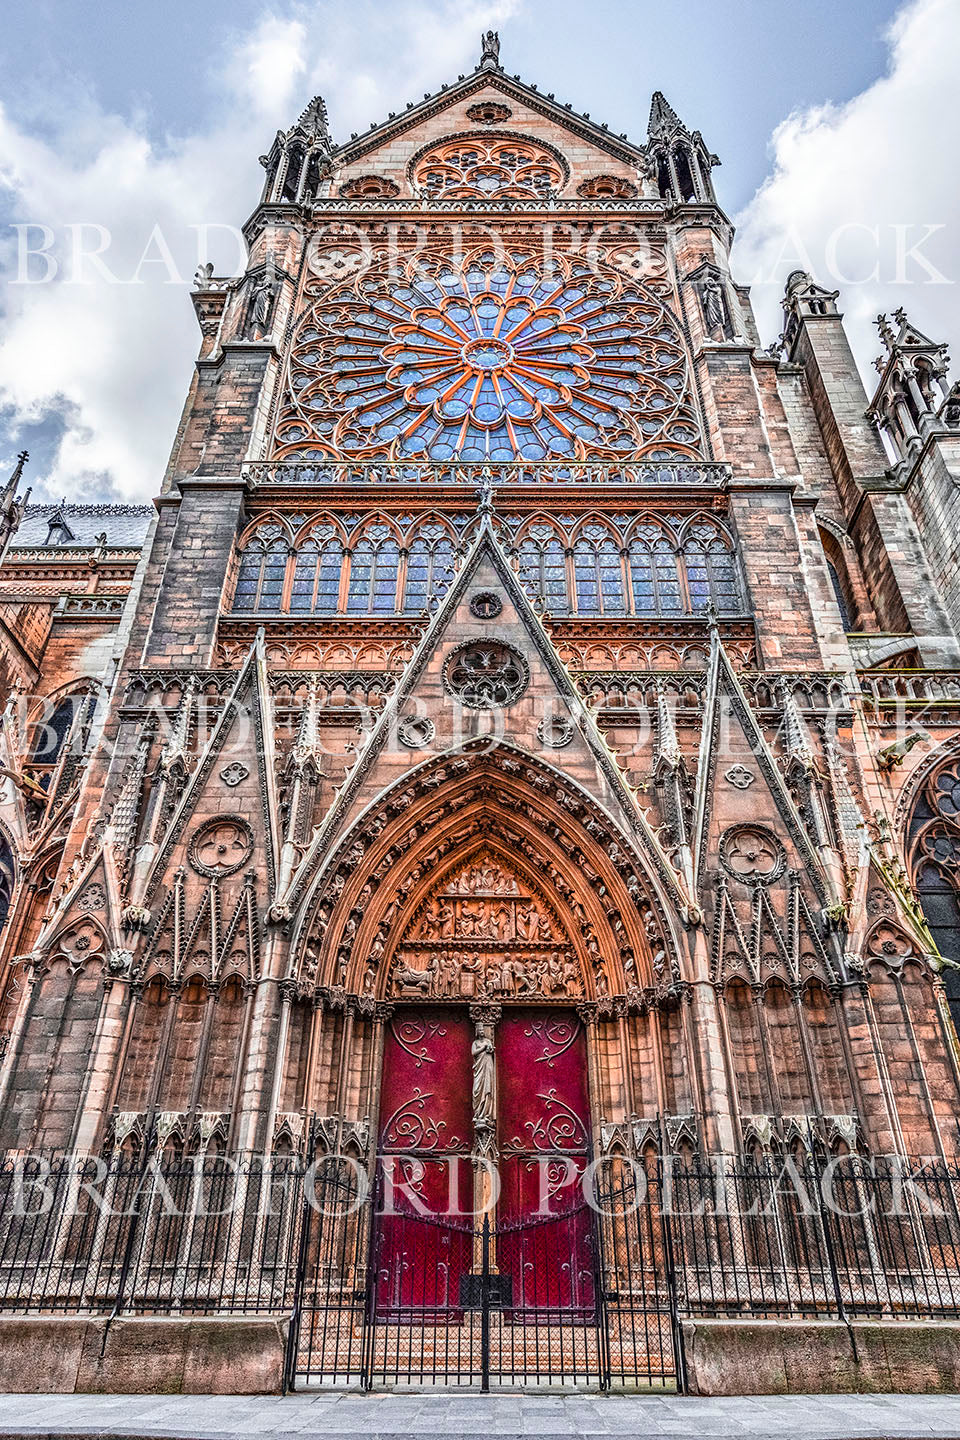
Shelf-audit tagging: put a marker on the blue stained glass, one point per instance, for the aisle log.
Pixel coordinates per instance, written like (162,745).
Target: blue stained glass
(568,379)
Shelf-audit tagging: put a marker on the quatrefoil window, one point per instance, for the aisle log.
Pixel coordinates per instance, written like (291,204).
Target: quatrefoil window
(221,846)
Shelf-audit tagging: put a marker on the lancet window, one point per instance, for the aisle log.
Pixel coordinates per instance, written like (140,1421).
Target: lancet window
(598,573)
(934,837)
(648,569)
(262,568)
(372,569)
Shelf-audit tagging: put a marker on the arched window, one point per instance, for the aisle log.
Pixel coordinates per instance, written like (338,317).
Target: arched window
(654,573)
(52,731)
(838,595)
(8,873)
(839,579)
(429,567)
(262,570)
(941,909)
(543,567)
(488,165)
(598,573)
(316,576)
(935,841)
(68,722)
(711,571)
(374,566)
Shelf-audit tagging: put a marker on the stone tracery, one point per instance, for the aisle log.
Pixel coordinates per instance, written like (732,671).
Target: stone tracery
(500,359)
(664,565)
(933,837)
(450,807)
(482,166)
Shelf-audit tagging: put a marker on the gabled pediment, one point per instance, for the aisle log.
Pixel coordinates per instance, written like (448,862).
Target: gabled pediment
(485,629)
(461,110)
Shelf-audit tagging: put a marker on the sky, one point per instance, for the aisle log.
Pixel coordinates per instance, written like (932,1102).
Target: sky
(134,130)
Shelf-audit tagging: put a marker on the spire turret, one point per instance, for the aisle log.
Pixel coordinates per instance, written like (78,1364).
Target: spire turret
(914,395)
(683,162)
(299,160)
(12,505)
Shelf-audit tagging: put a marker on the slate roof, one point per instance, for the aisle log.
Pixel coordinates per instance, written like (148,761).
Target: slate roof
(125,525)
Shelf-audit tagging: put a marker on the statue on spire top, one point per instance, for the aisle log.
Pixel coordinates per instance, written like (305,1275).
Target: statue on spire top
(490,55)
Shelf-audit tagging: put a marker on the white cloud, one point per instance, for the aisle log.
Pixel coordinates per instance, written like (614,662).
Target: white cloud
(110,361)
(855,188)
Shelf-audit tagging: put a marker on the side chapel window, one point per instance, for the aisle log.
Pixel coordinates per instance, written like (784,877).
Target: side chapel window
(261,572)
(935,844)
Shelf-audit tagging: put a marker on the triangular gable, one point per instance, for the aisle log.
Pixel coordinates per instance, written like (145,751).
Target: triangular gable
(254,795)
(473,86)
(587,759)
(745,749)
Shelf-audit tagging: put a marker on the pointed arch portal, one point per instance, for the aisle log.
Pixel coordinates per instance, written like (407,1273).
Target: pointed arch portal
(487,911)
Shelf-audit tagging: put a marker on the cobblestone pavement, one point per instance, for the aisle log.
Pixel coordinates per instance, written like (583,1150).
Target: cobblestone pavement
(337,1416)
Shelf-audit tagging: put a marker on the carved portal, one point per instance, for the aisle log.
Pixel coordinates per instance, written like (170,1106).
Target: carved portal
(485,933)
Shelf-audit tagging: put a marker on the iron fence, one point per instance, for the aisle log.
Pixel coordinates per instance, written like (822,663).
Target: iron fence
(799,1236)
(597,1291)
(152,1236)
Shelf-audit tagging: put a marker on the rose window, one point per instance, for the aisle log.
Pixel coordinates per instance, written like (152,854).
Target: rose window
(486,673)
(480,168)
(499,360)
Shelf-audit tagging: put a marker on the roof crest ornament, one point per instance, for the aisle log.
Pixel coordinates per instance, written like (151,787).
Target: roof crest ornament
(490,54)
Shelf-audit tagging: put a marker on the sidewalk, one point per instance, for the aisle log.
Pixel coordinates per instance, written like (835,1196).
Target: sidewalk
(338,1416)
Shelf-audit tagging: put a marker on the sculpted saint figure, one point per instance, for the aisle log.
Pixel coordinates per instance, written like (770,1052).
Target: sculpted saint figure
(483,1079)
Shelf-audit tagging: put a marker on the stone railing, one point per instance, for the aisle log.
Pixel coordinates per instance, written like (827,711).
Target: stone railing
(914,687)
(819,691)
(334,689)
(91,607)
(679,472)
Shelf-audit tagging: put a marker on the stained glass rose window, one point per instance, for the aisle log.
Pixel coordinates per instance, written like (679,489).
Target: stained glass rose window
(500,359)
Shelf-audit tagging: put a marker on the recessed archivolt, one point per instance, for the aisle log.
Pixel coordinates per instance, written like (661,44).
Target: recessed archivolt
(539,821)
(914,783)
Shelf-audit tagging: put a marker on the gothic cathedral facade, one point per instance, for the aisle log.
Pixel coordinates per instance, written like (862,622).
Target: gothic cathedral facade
(525,681)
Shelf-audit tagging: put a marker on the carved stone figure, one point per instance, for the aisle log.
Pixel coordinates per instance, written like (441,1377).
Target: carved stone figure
(714,304)
(482,1052)
(490,54)
(262,298)
(416,982)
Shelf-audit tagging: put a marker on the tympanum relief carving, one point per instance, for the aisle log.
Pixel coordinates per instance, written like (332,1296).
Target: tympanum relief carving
(485,933)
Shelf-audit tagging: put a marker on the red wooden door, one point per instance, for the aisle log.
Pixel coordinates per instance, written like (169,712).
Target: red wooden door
(544,1224)
(423,1245)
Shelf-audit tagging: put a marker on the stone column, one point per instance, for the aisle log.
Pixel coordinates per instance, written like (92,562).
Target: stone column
(484,1017)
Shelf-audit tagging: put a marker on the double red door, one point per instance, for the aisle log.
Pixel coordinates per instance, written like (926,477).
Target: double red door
(428,1233)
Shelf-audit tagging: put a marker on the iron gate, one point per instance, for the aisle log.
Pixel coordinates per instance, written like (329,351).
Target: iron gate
(584,1297)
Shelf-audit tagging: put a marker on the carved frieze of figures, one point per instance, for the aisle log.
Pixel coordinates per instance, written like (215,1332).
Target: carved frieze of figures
(469,975)
(481,935)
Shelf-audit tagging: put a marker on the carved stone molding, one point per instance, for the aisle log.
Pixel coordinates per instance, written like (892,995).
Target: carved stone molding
(220,846)
(752,854)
